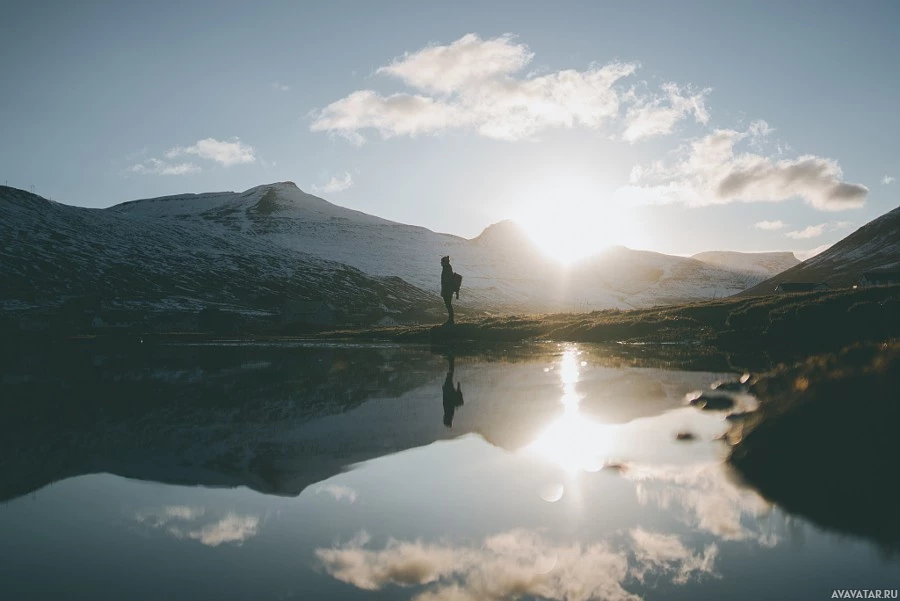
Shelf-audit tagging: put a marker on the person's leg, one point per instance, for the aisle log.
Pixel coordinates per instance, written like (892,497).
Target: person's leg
(449,306)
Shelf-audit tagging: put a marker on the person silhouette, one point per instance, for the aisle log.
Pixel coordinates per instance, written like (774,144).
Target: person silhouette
(448,287)
(453,397)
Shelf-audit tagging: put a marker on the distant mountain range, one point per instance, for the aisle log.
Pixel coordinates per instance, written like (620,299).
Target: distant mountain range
(244,249)
(873,247)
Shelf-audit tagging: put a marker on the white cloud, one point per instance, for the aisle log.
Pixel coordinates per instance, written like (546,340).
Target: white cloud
(277,85)
(660,553)
(770,225)
(335,184)
(710,172)
(812,231)
(338,491)
(232,528)
(473,83)
(466,63)
(158,167)
(803,255)
(178,521)
(659,116)
(517,564)
(887,179)
(225,152)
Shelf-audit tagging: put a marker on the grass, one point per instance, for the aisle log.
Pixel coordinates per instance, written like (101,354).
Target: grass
(787,325)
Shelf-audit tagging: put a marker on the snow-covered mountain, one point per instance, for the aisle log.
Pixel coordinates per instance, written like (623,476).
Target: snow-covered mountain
(51,252)
(874,246)
(502,268)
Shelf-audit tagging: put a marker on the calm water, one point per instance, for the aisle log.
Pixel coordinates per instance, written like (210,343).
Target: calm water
(387,472)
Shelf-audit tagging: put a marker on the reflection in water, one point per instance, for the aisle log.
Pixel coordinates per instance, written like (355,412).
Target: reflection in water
(573,441)
(452,397)
(520,563)
(183,522)
(351,435)
(705,497)
(338,492)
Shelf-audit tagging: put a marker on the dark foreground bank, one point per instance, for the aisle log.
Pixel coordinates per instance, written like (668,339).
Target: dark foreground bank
(823,443)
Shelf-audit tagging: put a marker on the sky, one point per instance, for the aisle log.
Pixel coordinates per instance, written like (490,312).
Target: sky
(675,127)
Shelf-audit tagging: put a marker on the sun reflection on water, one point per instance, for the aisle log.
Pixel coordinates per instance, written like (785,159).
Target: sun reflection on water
(573,441)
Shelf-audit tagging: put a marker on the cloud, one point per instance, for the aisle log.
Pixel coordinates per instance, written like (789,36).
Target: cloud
(508,565)
(702,496)
(179,520)
(770,225)
(232,528)
(277,85)
(662,553)
(812,231)
(803,255)
(710,172)
(158,167)
(517,564)
(161,517)
(225,152)
(335,184)
(660,115)
(338,492)
(887,179)
(474,83)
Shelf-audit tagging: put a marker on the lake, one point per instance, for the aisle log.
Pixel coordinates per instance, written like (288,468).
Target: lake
(378,471)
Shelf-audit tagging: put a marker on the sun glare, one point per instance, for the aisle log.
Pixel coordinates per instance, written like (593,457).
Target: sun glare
(573,442)
(568,220)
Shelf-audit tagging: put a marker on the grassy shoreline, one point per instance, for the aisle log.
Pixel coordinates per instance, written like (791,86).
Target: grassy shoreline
(790,325)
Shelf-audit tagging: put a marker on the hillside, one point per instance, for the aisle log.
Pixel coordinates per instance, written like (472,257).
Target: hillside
(52,253)
(503,269)
(874,246)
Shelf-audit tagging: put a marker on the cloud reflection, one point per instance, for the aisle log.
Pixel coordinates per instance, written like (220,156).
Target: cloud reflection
(338,491)
(516,564)
(703,496)
(179,522)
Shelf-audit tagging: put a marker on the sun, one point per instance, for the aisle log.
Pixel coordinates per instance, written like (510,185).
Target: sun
(569,220)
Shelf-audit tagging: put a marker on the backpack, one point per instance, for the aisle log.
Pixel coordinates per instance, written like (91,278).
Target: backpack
(457,282)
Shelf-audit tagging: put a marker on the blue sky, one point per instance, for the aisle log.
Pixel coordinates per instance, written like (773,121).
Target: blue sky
(677,127)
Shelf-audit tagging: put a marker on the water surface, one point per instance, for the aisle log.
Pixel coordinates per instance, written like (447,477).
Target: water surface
(297,471)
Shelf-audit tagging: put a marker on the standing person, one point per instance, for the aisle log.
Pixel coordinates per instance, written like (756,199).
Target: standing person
(448,287)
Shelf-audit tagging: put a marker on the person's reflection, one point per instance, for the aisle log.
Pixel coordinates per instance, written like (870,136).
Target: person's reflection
(453,397)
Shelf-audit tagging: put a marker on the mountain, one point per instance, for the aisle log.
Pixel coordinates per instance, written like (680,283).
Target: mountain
(502,268)
(53,252)
(874,246)
(763,264)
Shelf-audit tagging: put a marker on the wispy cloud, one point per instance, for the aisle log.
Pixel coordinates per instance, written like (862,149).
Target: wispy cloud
(770,225)
(179,521)
(803,255)
(225,152)
(277,85)
(709,171)
(812,231)
(516,564)
(158,167)
(339,492)
(659,115)
(478,84)
(888,179)
(335,184)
